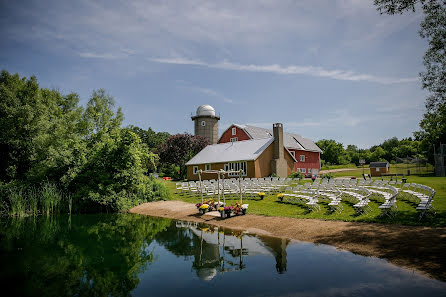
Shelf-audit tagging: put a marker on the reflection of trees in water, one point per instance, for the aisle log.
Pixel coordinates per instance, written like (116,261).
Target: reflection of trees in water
(91,255)
(216,251)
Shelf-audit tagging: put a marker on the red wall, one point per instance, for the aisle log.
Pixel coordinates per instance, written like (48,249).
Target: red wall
(312,160)
(227,135)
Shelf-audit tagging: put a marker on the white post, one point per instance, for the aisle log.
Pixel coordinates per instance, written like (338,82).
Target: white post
(240,185)
(224,199)
(218,185)
(201,189)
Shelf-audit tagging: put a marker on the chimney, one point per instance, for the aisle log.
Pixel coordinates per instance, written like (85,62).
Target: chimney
(278,163)
(278,141)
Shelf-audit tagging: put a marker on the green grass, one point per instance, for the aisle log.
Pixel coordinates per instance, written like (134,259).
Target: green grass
(330,167)
(406,214)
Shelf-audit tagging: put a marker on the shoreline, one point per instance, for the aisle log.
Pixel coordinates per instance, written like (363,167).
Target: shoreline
(415,248)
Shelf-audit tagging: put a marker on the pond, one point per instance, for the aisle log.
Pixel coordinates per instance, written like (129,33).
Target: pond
(133,255)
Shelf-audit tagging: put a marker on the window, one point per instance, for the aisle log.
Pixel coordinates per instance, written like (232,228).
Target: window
(236,166)
(302,158)
(203,123)
(293,153)
(233,139)
(195,169)
(377,169)
(234,131)
(303,170)
(208,167)
(309,170)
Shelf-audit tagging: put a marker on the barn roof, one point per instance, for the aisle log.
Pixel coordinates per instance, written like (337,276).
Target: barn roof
(378,164)
(231,151)
(290,140)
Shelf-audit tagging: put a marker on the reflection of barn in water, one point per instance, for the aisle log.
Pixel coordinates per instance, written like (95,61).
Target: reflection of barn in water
(220,251)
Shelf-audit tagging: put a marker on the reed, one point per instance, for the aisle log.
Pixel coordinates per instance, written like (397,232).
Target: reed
(33,201)
(50,198)
(17,201)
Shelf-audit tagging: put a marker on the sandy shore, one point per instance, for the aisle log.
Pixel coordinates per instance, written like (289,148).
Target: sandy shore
(417,248)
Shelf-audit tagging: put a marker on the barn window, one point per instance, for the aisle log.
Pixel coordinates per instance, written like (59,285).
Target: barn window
(195,169)
(302,158)
(203,123)
(234,139)
(234,131)
(208,167)
(237,166)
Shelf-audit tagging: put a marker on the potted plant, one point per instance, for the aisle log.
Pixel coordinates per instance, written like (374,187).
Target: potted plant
(261,195)
(225,212)
(203,208)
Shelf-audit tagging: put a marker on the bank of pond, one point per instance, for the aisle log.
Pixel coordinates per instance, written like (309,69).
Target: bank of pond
(129,254)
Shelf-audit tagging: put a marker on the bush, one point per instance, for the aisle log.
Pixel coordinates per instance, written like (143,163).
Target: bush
(327,175)
(296,174)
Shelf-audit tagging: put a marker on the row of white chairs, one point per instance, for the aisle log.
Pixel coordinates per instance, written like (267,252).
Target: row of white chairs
(311,194)
(334,191)
(422,195)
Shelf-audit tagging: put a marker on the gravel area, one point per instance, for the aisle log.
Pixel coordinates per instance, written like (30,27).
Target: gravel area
(418,248)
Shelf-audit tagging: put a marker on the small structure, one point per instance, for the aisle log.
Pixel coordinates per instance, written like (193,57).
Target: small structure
(379,168)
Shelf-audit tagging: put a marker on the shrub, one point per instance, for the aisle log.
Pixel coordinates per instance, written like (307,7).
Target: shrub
(327,175)
(296,174)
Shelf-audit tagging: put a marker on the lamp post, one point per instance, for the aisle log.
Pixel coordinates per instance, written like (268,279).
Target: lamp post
(362,162)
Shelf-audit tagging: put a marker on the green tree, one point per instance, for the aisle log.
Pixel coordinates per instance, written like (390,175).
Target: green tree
(40,129)
(332,152)
(47,136)
(152,139)
(433,28)
(180,148)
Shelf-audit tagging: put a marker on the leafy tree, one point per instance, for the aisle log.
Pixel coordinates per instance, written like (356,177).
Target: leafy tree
(433,28)
(47,136)
(152,139)
(333,152)
(40,129)
(378,154)
(180,148)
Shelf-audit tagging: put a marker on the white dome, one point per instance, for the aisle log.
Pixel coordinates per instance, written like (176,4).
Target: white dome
(205,110)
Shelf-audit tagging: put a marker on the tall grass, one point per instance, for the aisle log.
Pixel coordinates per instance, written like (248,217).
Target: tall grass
(45,199)
(50,198)
(17,200)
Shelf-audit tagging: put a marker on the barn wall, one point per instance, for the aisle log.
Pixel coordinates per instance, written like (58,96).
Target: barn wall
(227,135)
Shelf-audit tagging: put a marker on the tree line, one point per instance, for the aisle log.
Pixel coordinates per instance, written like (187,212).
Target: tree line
(334,153)
(57,154)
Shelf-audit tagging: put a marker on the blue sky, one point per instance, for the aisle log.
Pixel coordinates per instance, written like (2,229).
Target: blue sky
(333,69)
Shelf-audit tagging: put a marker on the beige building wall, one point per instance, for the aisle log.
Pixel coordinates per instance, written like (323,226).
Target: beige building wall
(258,168)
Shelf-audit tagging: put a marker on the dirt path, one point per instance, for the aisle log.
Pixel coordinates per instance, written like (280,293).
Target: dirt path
(419,248)
(337,170)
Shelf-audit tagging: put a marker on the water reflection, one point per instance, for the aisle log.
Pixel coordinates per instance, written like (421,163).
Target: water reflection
(222,250)
(124,254)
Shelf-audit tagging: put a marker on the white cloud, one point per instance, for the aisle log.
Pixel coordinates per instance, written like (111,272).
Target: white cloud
(215,94)
(315,71)
(99,56)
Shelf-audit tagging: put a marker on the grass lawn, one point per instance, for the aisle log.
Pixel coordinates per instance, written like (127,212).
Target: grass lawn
(406,215)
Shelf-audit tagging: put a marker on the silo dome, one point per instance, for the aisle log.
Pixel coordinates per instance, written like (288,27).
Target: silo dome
(205,110)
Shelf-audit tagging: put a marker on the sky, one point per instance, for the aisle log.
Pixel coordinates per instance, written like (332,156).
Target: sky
(332,69)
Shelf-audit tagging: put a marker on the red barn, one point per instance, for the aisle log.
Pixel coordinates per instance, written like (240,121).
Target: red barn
(305,152)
